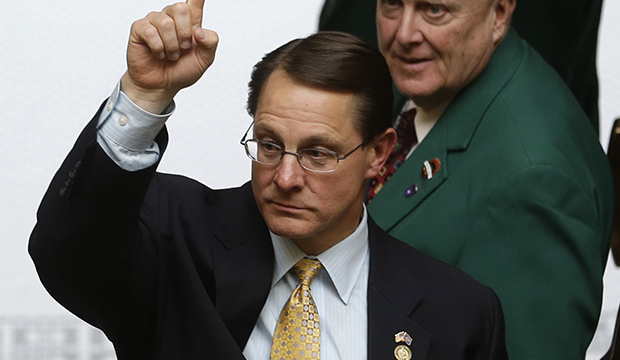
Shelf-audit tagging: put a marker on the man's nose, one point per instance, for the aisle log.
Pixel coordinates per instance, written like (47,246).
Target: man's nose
(289,174)
(409,27)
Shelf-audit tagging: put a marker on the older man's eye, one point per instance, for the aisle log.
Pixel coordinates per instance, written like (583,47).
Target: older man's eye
(436,13)
(390,9)
(435,9)
(391,2)
(390,5)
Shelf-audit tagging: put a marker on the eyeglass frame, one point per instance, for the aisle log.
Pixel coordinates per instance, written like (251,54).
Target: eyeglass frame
(244,142)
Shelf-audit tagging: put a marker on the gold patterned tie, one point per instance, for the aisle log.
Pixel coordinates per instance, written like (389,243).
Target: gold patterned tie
(297,334)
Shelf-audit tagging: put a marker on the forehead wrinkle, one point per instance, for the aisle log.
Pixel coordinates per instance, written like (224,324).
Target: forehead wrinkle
(327,127)
(332,139)
(303,115)
(307,113)
(328,140)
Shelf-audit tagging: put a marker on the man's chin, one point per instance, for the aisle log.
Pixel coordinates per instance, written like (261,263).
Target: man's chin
(413,88)
(289,228)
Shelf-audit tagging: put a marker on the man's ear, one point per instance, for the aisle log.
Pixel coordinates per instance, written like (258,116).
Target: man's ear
(503,14)
(383,145)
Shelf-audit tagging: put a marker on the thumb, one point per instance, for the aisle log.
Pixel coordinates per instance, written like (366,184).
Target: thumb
(206,41)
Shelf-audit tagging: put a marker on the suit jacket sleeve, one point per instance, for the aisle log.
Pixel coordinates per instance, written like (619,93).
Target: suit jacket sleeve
(88,245)
(544,266)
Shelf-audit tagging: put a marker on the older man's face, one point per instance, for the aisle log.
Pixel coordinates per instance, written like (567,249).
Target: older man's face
(435,48)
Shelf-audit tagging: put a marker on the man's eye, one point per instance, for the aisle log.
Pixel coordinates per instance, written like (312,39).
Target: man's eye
(391,2)
(270,147)
(435,10)
(390,8)
(315,154)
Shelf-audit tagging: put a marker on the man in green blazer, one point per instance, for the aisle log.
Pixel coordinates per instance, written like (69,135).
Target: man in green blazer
(564,32)
(508,182)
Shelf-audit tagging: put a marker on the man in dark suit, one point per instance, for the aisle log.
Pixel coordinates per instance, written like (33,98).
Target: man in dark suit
(565,33)
(171,269)
(508,181)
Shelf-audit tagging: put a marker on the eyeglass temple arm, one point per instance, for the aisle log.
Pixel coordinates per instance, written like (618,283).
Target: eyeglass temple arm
(242,142)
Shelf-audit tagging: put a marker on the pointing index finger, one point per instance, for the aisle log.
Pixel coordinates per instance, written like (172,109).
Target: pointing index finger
(196,7)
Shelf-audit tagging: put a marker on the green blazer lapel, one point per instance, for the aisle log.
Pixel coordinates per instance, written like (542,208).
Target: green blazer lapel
(409,186)
(452,133)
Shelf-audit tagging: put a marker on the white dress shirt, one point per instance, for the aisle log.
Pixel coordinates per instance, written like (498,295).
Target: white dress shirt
(423,125)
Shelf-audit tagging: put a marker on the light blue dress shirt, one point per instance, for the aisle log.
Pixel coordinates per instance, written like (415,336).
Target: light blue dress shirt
(127,135)
(339,291)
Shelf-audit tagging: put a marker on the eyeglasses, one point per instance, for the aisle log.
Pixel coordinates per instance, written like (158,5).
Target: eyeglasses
(312,159)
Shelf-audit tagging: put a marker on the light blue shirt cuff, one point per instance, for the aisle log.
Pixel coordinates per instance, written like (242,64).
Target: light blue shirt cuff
(127,133)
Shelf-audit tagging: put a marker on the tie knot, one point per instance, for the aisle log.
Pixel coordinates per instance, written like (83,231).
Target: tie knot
(307,269)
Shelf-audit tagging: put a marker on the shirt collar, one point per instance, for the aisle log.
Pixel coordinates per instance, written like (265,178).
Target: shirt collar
(343,262)
(422,125)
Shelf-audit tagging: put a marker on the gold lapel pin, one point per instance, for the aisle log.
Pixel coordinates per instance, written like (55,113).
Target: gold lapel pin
(403,336)
(402,353)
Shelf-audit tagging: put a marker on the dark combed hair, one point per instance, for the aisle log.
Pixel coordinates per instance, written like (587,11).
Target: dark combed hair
(333,61)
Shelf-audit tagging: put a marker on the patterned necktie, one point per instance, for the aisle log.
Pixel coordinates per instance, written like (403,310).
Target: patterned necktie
(297,334)
(407,138)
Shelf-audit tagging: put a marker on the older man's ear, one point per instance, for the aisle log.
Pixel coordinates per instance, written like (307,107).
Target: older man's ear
(503,14)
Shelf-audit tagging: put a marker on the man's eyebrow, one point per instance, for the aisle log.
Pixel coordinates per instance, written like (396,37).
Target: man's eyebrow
(318,139)
(312,140)
(265,129)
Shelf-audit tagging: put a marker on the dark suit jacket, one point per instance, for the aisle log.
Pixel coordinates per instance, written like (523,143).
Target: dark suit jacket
(170,269)
(564,32)
(522,201)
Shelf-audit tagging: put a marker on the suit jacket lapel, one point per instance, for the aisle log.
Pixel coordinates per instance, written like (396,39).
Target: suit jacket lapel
(243,268)
(392,296)
(452,133)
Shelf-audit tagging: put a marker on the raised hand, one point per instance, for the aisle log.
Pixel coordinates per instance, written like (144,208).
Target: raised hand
(167,51)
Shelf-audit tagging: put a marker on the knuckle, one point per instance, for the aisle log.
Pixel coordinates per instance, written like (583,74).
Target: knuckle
(166,23)
(180,8)
(139,24)
(152,15)
(151,35)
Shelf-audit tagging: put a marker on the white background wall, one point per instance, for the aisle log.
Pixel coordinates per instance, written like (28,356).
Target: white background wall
(60,59)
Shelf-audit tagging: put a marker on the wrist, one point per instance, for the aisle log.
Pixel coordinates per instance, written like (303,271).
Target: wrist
(154,101)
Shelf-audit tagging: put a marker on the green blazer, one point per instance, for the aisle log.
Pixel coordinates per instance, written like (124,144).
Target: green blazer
(565,32)
(356,17)
(522,200)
